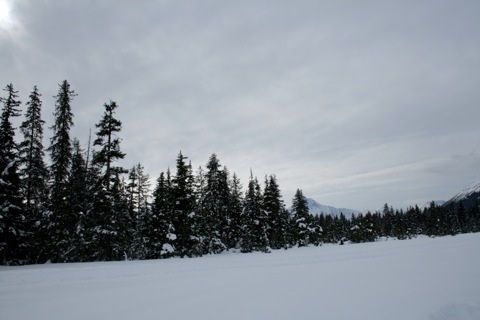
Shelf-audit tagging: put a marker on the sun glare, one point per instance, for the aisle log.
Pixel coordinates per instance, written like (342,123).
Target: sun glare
(5,18)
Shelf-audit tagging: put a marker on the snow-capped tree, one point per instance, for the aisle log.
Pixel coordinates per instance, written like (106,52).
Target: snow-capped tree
(214,208)
(301,220)
(254,219)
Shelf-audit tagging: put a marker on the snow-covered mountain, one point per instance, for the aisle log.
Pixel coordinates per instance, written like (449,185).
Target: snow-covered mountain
(437,203)
(318,208)
(468,196)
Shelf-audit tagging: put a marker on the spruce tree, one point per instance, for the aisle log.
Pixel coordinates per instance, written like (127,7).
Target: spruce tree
(34,171)
(34,174)
(276,213)
(78,199)
(235,210)
(159,232)
(61,149)
(109,144)
(12,220)
(184,217)
(140,215)
(109,221)
(254,220)
(214,208)
(301,219)
(61,223)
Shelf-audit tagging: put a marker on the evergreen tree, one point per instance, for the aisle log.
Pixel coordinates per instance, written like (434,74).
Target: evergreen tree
(78,199)
(159,232)
(214,208)
(184,217)
(34,175)
(61,223)
(140,214)
(109,220)
(254,219)
(12,220)
(61,149)
(301,219)
(235,210)
(34,171)
(107,139)
(276,213)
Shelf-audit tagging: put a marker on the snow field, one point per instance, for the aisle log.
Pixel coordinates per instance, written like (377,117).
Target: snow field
(423,278)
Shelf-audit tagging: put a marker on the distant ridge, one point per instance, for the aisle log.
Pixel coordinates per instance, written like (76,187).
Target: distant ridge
(469,196)
(318,208)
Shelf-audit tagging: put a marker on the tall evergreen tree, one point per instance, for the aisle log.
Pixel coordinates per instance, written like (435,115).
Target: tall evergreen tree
(301,219)
(235,213)
(78,199)
(254,219)
(109,144)
(139,208)
(276,213)
(159,231)
(214,208)
(12,220)
(110,223)
(184,216)
(61,148)
(34,173)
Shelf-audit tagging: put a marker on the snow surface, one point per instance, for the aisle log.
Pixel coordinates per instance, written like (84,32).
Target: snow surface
(424,278)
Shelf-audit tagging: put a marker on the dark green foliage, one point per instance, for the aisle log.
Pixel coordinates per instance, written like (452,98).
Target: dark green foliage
(235,213)
(86,211)
(276,212)
(301,220)
(254,219)
(12,219)
(61,151)
(214,208)
(184,217)
(158,231)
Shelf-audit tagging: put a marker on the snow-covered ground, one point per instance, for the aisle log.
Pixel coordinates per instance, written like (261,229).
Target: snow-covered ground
(423,278)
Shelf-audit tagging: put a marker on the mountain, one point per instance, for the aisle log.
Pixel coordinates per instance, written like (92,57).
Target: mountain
(438,203)
(318,208)
(469,196)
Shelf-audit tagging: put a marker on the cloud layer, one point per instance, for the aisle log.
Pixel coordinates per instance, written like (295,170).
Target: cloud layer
(357,103)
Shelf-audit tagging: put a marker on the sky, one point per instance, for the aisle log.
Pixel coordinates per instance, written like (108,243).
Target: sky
(357,103)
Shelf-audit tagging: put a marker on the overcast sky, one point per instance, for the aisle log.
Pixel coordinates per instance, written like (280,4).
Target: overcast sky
(357,103)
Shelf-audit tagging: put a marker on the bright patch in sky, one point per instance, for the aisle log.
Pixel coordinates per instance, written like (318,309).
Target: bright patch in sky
(5,17)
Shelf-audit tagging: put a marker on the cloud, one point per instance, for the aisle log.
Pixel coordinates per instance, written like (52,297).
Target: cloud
(355,103)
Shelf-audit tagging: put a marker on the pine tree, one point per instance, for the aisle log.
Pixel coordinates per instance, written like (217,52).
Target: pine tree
(61,149)
(34,174)
(214,208)
(159,232)
(254,220)
(12,220)
(109,143)
(276,213)
(184,217)
(235,210)
(141,212)
(61,224)
(109,221)
(301,219)
(78,199)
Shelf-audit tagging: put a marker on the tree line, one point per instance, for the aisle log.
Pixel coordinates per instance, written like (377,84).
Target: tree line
(83,206)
